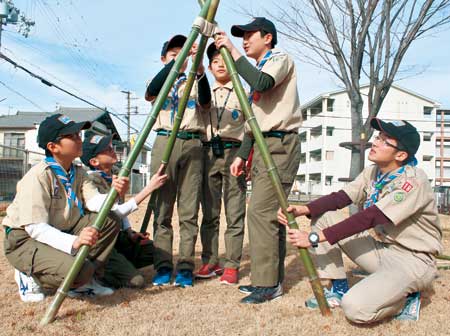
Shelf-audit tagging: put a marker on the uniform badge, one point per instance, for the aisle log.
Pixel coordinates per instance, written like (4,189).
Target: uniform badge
(191,104)
(96,139)
(399,196)
(407,186)
(235,114)
(64,119)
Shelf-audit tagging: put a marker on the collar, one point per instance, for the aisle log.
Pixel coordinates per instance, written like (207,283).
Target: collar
(228,86)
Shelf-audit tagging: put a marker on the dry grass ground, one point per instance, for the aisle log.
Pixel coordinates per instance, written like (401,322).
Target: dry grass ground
(209,308)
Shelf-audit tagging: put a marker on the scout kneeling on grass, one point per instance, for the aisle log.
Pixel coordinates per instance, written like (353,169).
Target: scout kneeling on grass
(50,217)
(399,204)
(133,249)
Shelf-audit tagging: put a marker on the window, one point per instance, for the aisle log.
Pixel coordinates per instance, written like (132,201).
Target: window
(328,180)
(16,140)
(315,156)
(302,158)
(330,104)
(427,136)
(302,137)
(316,132)
(330,131)
(329,155)
(427,111)
(427,157)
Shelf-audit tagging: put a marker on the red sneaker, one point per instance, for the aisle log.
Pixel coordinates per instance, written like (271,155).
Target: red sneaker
(229,277)
(209,271)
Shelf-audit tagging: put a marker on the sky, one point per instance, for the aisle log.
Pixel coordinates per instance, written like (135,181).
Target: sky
(98,48)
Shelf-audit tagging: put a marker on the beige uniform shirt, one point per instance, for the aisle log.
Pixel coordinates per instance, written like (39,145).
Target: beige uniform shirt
(278,109)
(192,119)
(41,198)
(408,201)
(225,104)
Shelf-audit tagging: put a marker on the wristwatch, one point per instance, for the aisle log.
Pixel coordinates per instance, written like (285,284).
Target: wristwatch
(314,239)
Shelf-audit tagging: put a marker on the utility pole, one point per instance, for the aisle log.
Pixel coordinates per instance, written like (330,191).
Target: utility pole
(11,14)
(128,93)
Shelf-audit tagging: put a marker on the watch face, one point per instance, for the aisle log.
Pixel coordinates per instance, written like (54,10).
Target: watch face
(314,238)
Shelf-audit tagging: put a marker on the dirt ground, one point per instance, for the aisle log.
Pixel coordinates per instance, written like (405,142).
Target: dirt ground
(210,308)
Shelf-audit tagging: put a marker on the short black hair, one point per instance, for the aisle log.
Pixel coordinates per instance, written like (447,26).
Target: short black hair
(264,33)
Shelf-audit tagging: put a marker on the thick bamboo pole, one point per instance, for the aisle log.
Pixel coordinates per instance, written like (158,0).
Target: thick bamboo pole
(275,178)
(180,113)
(61,294)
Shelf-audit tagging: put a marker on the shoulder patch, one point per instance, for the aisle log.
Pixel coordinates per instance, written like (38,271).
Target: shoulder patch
(407,186)
(399,196)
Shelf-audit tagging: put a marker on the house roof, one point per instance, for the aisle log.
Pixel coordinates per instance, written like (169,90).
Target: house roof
(332,93)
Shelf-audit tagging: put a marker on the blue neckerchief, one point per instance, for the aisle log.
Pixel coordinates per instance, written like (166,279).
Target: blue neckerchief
(106,177)
(67,181)
(382,180)
(174,95)
(259,66)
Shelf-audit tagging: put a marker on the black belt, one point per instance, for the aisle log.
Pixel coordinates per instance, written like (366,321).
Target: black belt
(226,144)
(276,134)
(184,135)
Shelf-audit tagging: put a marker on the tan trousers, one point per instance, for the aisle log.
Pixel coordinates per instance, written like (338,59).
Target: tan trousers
(394,272)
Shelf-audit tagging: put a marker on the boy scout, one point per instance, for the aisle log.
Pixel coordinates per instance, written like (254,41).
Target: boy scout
(276,107)
(49,218)
(225,130)
(399,204)
(184,169)
(132,250)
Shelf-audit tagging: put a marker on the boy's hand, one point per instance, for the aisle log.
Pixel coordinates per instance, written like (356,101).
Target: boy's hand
(222,40)
(296,210)
(158,179)
(298,238)
(121,185)
(134,236)
(237,167)
(193,53)
(88,236)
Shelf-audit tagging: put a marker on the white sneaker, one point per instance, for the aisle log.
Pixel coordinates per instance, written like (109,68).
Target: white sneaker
(92,289)
(29,290)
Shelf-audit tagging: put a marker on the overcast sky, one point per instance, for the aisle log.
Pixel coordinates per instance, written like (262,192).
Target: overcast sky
(97,48)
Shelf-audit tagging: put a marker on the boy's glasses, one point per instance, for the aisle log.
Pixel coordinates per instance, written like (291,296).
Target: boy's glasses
(385,143)
(73,136)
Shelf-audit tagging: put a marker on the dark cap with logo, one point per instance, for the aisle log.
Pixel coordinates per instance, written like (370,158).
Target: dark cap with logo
(258,23)
(94,144)
(56,125)
(401,130)
(212,51)
(176,41)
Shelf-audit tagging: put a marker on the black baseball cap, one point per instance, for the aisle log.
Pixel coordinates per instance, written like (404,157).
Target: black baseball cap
(94,144)
(401,130)
(258,23)
(58,124)
(174,42)
(212,51)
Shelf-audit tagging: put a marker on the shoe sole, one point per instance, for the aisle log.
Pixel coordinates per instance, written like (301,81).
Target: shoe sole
(271,300)
(224,282)
(160,284)
(208,276)
(182,286)
(245,292)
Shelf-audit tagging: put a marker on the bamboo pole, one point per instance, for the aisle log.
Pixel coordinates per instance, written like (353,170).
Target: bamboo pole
(61,294)
(443,257)
(275,178)
(180,113)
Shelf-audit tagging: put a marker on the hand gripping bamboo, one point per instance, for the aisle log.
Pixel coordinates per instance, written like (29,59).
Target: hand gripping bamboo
(61,294)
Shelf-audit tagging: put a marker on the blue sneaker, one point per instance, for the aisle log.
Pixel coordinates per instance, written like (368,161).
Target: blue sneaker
(411,310)
(333,300)
(184,279)
(162,276)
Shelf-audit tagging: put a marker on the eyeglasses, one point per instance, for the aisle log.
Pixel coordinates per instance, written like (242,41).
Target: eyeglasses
(73,136)
(384,142)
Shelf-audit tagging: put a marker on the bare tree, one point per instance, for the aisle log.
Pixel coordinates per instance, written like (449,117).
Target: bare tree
(359,40)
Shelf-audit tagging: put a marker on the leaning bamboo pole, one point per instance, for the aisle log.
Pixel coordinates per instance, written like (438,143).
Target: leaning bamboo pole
(61,294)
(275,178)
(180,113)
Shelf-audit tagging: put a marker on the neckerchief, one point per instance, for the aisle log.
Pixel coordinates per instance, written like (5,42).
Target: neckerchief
(381,181)
(67,181)
(259,66)
(174,95)
(106,177)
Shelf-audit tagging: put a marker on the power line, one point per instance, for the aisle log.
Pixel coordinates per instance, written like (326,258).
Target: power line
(21,95)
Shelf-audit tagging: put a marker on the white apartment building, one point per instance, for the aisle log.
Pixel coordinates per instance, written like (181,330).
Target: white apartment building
(327,124)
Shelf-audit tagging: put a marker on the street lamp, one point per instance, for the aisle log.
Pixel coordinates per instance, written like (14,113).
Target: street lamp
(10,14)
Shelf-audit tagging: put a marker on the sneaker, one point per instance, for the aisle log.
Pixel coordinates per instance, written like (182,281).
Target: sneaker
(29,290)
(411,310)
(184,279)
(162,276)
(229,277)
(91,289)
(333,299)
(208,271)
(247,289)
(263,294)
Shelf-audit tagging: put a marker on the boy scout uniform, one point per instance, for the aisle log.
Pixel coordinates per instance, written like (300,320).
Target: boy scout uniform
(226,120)
(126,257)
(41,198)
(184,171)
(400,260)
(278,114)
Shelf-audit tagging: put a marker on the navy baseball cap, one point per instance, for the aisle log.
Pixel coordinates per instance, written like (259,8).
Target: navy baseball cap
(56,125)
(258,23)
(401,130)
(174,42)
(93,145)
(212,51)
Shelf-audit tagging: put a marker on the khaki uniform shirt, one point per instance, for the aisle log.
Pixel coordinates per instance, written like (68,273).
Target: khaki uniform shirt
(225,103)
(192,119)
(408,201)
(278,109)
(41,198)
